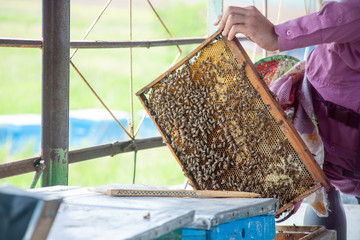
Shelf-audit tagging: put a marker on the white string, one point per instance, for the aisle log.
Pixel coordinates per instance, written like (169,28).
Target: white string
(265,3)
(306,8)
(319,5)
(279,12)
(255,46)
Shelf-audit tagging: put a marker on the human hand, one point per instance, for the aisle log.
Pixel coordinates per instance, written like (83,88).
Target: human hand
(250,22)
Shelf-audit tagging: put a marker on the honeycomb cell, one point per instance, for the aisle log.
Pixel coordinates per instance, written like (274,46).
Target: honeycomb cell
(220,130)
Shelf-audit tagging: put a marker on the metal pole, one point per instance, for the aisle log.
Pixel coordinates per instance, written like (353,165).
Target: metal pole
(33,164)
(55,91)
(20,43)
(88,44)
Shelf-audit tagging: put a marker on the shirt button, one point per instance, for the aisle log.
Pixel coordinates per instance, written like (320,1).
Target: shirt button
(288,32)
(332,148)
(339,20)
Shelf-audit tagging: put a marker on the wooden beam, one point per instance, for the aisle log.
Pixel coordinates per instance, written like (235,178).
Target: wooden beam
(29,165)
(35,43)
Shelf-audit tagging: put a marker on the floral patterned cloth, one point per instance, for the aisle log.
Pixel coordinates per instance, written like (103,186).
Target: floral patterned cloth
(284,75)
(286,78)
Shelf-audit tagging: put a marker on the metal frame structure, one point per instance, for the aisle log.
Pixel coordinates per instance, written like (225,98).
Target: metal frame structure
(55,91)
(56,45)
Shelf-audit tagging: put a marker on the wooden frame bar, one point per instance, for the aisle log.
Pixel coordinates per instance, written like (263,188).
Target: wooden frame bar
(285,124)
(275,109)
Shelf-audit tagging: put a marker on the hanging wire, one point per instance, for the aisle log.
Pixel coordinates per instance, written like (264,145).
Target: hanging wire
(279,12)
(279,16)
(174,61)
(313,6)
(131,122)
(39,168)
(306,7)
(134,171)
(98,97)
(92,26)
(83,78)
(266,15)
(140,124)
(255,45)
(131,133)
(319,5)
(167,30)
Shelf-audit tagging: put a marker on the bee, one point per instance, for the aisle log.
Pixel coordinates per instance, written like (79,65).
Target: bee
(147,215)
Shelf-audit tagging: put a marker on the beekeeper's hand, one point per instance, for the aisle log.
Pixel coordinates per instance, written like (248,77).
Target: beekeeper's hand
(250,22)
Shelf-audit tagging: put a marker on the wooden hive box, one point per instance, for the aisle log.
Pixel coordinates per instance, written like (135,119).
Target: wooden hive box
(226,130)
(304,233)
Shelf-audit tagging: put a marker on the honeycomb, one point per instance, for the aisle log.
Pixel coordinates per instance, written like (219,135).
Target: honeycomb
(220,130)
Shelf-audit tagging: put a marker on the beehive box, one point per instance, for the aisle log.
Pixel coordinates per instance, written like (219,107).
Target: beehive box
(304,233)
(226,130)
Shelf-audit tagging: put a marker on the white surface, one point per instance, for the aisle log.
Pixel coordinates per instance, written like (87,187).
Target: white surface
(97,114)
(20,119)
(352,216)
(93,114)
(209,212)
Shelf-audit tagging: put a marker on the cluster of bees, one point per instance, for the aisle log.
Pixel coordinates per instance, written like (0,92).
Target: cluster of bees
(221,131)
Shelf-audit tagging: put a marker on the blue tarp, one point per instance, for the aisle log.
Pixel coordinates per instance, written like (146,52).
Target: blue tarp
(87,127)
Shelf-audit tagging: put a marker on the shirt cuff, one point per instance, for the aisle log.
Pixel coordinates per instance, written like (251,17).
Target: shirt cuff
(296,34)
(283,43)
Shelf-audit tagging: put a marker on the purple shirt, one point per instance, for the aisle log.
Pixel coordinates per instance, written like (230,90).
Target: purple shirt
(333,68)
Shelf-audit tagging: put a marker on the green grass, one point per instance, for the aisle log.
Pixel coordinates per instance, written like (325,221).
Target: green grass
(107,70)
(154,166)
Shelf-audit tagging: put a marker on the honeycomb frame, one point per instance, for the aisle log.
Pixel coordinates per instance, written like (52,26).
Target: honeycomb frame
(225,128)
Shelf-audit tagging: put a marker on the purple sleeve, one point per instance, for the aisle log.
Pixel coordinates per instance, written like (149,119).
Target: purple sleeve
(336,22)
